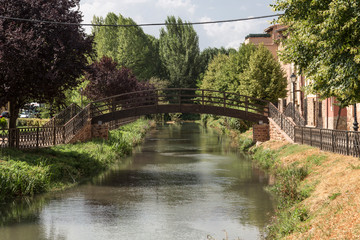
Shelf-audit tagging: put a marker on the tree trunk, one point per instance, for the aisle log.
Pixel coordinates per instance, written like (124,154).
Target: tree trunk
(338,118)
(14,113)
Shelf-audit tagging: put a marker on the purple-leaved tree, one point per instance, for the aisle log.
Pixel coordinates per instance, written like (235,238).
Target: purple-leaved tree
(107,79)
(40,61)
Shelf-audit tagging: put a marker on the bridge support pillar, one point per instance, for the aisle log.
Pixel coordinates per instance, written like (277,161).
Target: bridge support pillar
(261,132)
(90,131)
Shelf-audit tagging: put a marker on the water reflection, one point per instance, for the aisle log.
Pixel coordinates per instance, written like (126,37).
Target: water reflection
(185,182)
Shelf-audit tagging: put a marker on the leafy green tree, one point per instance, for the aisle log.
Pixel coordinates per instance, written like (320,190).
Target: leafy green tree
(324,42)
(225,73)
(129,46)
(263,79)
(209,53)
(179,52)
(106,38)
(135,50)
(215,77)
(237,64)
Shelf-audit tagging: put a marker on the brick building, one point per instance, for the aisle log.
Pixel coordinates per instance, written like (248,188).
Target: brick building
(317,113)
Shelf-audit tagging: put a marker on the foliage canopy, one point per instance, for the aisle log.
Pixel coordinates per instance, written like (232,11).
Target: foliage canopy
(129,46)
(179,52)
(324,40)
(107,79)
(39,61)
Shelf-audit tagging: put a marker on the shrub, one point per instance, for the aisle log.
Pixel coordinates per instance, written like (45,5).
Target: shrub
(31,122)
(3,123)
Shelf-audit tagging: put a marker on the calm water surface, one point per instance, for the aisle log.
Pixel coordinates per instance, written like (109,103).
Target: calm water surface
(184,182)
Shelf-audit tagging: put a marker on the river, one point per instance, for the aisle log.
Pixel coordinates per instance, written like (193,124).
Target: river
(183,182)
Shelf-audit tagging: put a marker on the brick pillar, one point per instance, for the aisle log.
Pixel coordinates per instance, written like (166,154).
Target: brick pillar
(100,131)
(261,133)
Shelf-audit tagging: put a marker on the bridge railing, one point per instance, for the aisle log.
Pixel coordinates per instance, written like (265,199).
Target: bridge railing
(179,96)
(282,121)
(64,116)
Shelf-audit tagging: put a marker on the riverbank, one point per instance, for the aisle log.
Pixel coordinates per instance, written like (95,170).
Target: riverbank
(318,192)
(28,172)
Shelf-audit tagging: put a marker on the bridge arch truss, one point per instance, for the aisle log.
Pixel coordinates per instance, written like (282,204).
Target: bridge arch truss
(179,100)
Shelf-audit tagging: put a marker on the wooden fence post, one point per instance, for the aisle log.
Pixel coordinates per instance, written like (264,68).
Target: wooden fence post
(320,139)
(310,137)
(332,141)
(54,136)
(17,136)
(347,143)
(37,137)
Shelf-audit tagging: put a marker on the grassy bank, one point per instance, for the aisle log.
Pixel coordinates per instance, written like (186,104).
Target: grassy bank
(318,192)
(27,172)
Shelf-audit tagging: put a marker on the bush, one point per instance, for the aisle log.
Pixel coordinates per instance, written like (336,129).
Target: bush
(3,123)
(239,124)
(31,122)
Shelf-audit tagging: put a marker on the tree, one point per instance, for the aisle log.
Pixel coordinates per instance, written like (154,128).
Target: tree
(179,52)
(263,79)
(106,38)
(106,79)
(39,61)
(129,46)
(324,40)
(215,77)
(225,73)
(209,53)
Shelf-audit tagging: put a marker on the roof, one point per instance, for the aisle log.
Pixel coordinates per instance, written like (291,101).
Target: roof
(258,35)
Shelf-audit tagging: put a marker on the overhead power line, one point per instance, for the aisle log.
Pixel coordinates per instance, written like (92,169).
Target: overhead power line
(136,25)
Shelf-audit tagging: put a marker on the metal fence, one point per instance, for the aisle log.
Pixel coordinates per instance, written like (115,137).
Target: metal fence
(292,112)
(37,137)
(337,141)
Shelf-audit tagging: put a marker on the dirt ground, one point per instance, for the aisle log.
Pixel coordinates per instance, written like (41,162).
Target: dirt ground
(334,204)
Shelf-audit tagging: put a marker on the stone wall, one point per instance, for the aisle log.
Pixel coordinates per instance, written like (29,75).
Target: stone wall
(261,133)
(277,134)
(100,131)
(89,132)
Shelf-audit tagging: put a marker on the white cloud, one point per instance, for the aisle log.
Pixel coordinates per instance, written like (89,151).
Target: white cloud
(232,34)
(177,4)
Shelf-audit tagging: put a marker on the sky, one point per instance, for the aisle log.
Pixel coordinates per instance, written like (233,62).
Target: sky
(213,35)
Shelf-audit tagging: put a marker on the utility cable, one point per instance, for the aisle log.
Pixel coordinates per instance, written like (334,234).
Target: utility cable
(136,25)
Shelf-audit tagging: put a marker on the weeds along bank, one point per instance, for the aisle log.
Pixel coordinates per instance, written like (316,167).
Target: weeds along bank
(27,172)
(318,192)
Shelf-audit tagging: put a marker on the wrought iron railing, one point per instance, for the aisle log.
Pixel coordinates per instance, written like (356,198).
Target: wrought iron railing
(292,112)
(337,141)
(76,123)
(282,121)
(64,116)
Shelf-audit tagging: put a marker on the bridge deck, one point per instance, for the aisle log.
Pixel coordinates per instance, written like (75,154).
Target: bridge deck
(179,100)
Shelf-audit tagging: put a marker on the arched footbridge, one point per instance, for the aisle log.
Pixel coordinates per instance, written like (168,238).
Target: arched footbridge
(179,100)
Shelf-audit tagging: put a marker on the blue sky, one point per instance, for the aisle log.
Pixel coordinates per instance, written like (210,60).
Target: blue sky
(214,35)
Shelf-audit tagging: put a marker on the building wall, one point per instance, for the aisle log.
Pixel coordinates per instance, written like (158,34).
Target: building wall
(350,116)
(319,113)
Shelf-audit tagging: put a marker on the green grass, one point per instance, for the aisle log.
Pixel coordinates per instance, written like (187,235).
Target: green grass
(27,172)
(289,188)
(334,195)
(290,149)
